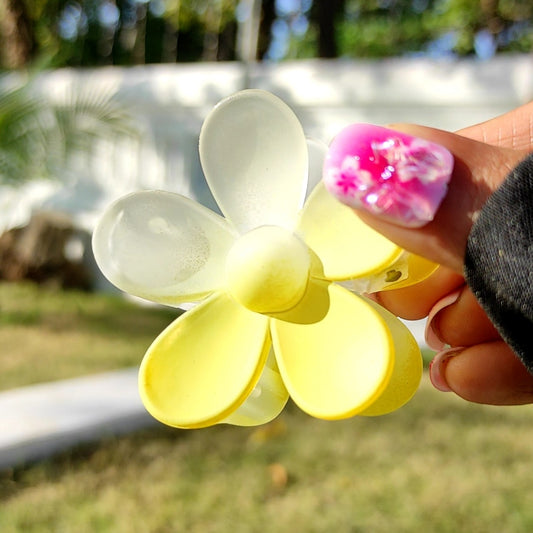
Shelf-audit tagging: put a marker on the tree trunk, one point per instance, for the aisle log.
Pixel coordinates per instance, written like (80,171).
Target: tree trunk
(16,32)
(268,15)
(325,14)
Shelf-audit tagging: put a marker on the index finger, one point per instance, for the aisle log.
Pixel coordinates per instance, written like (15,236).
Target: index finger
(510,130)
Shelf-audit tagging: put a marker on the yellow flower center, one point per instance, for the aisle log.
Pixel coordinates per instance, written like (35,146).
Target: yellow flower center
(267,269)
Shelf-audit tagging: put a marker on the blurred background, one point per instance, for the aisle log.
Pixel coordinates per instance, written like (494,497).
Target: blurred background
(99,98)
(134,32)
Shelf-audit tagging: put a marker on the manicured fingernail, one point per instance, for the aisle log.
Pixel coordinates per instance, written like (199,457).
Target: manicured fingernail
(431,334)
(390,174)
(438,366)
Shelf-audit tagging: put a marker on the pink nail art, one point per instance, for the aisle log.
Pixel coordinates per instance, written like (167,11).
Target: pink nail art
(388,173)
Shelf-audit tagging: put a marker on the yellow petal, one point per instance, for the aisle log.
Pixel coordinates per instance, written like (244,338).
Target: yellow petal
(340,365)
(312,308)
(407,371)
(205,364)
(346,246)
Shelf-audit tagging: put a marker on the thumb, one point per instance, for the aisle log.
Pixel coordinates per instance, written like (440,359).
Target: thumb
(420,187)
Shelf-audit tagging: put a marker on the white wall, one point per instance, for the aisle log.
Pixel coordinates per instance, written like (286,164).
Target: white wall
(171,101)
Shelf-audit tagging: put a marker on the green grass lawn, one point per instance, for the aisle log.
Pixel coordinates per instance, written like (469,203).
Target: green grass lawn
(47,334)
(437,465)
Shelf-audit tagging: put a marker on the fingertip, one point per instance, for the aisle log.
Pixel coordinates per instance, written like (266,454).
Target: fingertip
(488,373)
(431,333)
(464,182)
(437,369)
(388,173)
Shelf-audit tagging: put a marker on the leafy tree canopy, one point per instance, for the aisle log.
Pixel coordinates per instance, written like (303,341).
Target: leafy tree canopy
(124,32)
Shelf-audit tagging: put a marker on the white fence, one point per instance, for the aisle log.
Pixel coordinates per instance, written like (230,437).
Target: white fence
(170,102)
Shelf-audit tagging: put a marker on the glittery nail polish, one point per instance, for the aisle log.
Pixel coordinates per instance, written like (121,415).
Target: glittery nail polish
(388,173)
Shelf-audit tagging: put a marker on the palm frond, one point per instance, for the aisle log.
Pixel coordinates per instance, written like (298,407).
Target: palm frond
(89,113)
(22,137)
(38,135)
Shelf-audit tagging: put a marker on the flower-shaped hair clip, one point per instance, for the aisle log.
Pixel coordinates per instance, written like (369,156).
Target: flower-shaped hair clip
(274,318)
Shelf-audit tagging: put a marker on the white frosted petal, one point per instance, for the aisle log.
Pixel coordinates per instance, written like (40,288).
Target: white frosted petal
(162,246)
(317,155)
(254,156)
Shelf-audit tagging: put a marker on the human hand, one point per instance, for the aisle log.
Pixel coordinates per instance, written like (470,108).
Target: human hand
(479,366)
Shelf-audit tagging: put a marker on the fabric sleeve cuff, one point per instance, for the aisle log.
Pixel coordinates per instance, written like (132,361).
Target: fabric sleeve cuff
(499,260)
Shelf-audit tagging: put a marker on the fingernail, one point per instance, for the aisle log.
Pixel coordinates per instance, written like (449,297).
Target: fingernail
(431,334)
(438,366)
(387,173)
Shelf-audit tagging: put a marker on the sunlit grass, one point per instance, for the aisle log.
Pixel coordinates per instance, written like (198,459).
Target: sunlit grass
(47,334)
(437,465)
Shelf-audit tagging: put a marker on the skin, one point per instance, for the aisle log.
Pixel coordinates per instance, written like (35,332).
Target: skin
(481,367)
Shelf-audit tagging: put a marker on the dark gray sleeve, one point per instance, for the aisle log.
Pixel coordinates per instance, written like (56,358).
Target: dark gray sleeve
(499,260)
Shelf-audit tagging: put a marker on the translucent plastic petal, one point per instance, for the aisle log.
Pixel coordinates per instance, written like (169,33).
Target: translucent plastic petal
(346,247)
(317,154)
(407,371)
(205,364)
(408,269)
(418,269)
(265,402)
(254,156)
(163,247)
(340,365)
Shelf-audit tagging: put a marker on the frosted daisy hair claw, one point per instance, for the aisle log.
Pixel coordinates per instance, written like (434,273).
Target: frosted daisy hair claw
(276,278)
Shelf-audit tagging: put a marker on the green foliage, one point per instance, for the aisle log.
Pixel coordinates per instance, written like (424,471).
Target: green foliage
(87,114)
(38,136)
(384,28)
(381,35)
(22,134)
(213,15)
(153,31)
(142,33)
